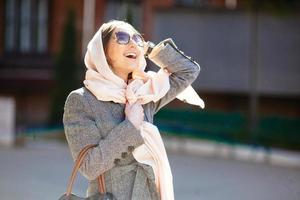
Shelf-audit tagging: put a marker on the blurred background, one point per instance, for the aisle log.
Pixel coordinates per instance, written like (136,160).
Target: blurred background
(248,50)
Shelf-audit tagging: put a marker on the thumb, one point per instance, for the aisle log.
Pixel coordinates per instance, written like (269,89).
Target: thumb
(138,74)
(139,101)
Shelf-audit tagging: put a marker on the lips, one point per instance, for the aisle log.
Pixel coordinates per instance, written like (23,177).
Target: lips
(131,55)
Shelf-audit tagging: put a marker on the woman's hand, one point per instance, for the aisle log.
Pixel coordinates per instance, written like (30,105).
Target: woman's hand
(138,74)
(135,114)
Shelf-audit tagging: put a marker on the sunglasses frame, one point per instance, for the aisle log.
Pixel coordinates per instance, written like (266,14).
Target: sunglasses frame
(130,37)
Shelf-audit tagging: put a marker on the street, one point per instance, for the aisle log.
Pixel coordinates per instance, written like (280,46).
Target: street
(40,170)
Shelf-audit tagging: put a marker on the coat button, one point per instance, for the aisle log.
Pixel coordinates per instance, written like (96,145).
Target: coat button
(124,154)
(117,161)
(130,148)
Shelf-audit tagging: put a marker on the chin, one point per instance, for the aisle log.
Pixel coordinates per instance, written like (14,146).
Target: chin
(132,67)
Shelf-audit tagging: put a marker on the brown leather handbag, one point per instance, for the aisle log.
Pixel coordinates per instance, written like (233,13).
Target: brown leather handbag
(101,195)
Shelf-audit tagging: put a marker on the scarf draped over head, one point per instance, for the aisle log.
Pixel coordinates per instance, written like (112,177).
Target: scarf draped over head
(107,86)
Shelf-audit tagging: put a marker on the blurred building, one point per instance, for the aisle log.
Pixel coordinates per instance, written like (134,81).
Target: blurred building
(30,38)
(244,54)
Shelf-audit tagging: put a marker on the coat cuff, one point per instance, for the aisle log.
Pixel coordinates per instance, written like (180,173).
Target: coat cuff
(167,55)
(123,138)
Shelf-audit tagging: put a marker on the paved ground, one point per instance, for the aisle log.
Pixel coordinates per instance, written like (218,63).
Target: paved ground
(40,170)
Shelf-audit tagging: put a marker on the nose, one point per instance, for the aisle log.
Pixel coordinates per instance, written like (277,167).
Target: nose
(132,43)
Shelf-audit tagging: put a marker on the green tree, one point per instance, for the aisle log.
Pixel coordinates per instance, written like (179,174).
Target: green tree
(66,70)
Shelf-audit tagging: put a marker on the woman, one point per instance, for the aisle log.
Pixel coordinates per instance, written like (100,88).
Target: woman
(115,110)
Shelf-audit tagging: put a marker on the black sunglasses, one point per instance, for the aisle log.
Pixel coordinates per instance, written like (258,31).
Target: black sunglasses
(124,38)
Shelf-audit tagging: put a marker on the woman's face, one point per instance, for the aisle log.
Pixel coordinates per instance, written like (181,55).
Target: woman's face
(123,58)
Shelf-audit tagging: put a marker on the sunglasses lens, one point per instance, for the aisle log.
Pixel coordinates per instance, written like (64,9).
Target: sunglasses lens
(122,37)
(138,40)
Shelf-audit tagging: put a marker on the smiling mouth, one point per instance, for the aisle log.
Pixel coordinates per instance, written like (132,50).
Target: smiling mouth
(130,55)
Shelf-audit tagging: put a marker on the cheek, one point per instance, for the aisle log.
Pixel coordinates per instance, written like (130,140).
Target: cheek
(115,53)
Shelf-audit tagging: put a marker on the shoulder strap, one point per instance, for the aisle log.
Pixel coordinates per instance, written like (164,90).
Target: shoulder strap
(78,162)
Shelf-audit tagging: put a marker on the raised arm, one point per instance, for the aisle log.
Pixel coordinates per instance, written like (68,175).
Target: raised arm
(81,130)
(183,69)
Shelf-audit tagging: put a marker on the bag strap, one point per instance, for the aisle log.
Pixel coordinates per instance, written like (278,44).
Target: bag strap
(78,162)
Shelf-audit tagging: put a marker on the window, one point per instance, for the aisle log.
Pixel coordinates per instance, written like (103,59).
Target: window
(192,3)
(230,4)
(26,26)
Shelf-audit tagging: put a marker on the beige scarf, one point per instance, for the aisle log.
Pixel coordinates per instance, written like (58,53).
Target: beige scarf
(107,86)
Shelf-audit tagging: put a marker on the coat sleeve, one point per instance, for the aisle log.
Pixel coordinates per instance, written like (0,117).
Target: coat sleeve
(184,70)
(81,130)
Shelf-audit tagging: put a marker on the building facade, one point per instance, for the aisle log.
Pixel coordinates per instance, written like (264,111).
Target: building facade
(219,34)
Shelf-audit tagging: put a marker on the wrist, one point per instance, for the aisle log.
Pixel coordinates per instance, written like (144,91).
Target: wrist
(133,123)
(136,126)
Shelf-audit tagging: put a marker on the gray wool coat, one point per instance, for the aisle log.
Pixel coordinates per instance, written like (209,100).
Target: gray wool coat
(90,121)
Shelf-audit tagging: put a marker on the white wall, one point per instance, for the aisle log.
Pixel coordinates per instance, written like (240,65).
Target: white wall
(7,121)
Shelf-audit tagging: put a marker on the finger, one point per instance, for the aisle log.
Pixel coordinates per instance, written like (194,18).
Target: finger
(139,102)
(167,71)
(140,74)
(127,105)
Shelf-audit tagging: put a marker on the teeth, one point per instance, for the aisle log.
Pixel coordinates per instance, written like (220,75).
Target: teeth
(130,54)
(133,55)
